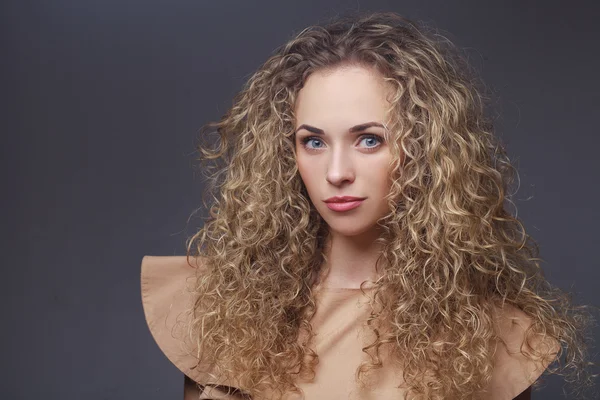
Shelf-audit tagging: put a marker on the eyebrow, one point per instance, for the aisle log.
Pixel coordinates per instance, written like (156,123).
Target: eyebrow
(356,128)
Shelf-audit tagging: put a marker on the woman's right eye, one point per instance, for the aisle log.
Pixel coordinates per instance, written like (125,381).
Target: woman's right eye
(308,139)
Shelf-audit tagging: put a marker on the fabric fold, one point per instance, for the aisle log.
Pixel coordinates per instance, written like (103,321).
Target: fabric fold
(166,283)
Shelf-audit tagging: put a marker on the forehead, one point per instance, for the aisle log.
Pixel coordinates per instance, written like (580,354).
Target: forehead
(347,95)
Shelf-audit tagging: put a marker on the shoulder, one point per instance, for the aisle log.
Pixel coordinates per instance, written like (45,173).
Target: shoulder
(165,267)
(165,280)
(516,367)
(167,284)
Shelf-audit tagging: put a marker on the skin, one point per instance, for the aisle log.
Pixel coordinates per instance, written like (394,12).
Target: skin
(343,163)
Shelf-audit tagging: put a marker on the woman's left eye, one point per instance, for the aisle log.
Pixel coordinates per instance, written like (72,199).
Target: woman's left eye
(372,138)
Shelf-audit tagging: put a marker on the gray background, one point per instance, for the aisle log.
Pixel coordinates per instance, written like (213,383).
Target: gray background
(101,105)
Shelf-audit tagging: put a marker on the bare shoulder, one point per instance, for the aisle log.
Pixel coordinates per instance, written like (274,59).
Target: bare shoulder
(518,362)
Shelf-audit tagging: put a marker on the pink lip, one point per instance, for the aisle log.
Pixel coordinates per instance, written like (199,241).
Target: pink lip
(344,205)
(342,199)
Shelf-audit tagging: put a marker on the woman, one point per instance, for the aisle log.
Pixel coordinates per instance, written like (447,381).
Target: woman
(359,244)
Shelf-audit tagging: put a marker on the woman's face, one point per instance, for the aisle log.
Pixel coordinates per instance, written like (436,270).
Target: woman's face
(340,147)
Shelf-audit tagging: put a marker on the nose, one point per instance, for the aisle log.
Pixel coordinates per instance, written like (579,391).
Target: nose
(340,168)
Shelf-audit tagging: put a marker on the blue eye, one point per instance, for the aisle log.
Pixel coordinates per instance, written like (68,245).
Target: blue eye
(371,137)
(376,141)
(308,139)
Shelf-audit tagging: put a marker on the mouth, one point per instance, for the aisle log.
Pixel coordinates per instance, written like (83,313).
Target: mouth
(344,203)
(343,199)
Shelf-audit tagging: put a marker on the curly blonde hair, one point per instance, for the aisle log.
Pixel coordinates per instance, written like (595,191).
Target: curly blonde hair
(452,250)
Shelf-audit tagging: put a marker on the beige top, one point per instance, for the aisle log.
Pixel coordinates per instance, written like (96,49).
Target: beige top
(338,324)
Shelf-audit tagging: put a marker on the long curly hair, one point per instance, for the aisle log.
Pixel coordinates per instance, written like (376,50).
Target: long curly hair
(452,250)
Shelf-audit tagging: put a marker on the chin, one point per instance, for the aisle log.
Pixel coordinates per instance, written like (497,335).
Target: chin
(350,231)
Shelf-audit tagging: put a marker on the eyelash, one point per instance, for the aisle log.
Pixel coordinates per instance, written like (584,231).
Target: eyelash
(368,136)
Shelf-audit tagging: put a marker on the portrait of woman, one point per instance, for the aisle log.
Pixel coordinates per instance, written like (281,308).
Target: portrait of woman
(361,242)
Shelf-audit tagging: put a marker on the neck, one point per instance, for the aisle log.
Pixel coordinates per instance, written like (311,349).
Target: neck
(350,259)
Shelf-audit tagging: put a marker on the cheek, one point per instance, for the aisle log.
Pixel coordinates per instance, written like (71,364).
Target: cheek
(379,172)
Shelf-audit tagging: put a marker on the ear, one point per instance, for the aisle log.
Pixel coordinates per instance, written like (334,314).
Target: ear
(516,368)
